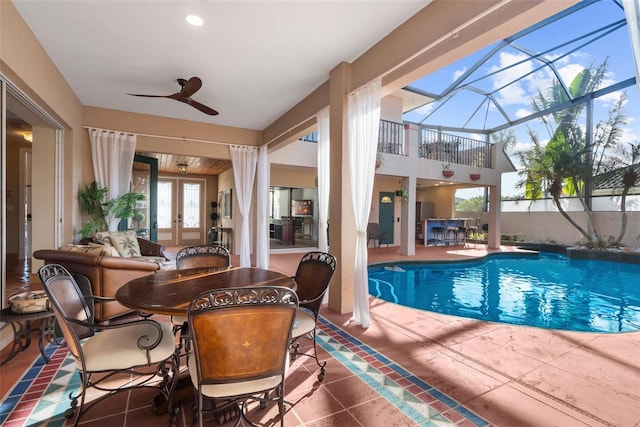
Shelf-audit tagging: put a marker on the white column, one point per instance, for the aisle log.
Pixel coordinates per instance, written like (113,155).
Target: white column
(494,215)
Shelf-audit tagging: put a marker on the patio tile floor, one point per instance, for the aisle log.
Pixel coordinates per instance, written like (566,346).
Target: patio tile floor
(471,372)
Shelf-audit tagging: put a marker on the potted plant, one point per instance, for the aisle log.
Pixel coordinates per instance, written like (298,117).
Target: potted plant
(103,213)
(378,160)
(403,192)
(446,170)
(474,176)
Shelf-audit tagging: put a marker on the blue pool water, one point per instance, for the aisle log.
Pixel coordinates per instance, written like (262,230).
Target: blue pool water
(545,290)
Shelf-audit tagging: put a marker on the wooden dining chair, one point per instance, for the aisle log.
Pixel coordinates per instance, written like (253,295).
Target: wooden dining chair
(313,275)
(101,352)
(240,339)
(203,256)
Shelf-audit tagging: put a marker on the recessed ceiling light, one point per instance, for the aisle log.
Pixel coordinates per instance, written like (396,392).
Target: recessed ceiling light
(194,20)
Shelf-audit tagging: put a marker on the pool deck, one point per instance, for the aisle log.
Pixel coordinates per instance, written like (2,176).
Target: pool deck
(513,376)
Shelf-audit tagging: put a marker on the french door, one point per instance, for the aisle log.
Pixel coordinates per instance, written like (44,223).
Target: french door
(180,211)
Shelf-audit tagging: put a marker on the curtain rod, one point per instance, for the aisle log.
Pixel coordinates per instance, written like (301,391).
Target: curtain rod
(169,137)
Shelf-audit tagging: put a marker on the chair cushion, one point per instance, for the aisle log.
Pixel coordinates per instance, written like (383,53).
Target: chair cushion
(117,348)
(303,324)
(126,242)
(178,319)
(233,388)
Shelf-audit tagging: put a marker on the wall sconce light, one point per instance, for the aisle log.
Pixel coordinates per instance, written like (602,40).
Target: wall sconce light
(28,136)
(182,169)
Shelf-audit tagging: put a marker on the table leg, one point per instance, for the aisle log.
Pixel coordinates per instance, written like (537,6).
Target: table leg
(21,339)
(22,330)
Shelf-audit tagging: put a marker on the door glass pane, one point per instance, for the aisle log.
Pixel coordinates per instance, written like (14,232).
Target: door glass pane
(191,205)
(165,203)
(140,222)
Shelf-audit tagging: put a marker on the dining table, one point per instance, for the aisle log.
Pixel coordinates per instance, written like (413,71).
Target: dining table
(170,292)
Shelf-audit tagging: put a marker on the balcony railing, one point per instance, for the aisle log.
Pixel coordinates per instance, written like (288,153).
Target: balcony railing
(390,137)
(432,144)
(447,148)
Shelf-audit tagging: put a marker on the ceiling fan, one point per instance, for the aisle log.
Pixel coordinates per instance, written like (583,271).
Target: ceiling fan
(189,87)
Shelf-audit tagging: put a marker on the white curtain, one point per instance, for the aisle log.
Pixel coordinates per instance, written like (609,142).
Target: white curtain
(244,160)
(632,12)
(262,201)
(112,154)
(363,121)
(323,178)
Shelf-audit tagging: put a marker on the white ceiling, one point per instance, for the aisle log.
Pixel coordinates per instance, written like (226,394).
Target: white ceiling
(256,59)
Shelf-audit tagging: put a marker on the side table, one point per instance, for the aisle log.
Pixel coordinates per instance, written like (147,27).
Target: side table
(21,324)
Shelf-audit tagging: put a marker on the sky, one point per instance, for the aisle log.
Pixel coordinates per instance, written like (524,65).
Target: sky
(560,43)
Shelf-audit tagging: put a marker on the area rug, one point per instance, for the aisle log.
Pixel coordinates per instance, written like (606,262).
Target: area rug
(41,396)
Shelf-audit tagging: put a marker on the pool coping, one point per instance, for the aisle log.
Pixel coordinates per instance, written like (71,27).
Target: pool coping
(471,260)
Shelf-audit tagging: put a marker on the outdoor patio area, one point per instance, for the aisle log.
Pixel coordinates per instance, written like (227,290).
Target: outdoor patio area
(471,372)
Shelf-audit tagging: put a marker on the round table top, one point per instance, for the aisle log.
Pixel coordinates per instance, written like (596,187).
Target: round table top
(170,292)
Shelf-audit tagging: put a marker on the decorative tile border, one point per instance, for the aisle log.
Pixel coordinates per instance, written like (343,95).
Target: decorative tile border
(41,395)
(419,401)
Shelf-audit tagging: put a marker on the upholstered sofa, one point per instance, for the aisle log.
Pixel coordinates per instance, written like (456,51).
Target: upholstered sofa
(100,269)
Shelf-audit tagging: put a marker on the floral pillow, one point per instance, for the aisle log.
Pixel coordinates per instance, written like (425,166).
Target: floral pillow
(126,243)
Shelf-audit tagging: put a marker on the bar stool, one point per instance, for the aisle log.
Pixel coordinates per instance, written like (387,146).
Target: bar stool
(452,232)
(461,235)
(439,232)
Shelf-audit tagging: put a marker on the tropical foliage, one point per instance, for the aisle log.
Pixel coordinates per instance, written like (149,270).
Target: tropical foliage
(565,164)
(102,213)
(474,204)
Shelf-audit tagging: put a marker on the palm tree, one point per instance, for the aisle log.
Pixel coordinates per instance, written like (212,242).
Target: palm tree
(560,167)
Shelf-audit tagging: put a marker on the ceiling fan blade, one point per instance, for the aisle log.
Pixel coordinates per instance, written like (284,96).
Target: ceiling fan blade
(190,87)
(150,96)
(201,107)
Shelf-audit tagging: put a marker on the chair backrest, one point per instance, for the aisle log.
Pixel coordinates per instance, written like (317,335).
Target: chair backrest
(373,229)
(68,304)
(241,333)
(203,256)
(312,279)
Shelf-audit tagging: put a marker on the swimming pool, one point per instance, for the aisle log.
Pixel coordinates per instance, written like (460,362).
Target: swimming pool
(543,290)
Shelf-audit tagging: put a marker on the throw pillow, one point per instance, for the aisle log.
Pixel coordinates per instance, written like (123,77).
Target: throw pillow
(91,249)
(103,238)
(126,243)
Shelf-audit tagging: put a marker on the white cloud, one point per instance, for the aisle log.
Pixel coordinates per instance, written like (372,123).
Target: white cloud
(458,73)
(425,109)
(628,136)
(513,94)
(522,112)
(505,60)
(610,99)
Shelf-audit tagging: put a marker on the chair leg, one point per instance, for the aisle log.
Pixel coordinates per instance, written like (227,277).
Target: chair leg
(294,352)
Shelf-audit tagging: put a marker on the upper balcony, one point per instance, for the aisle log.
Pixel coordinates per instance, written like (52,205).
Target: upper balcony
(432,145)
(435,145)
(409,149)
